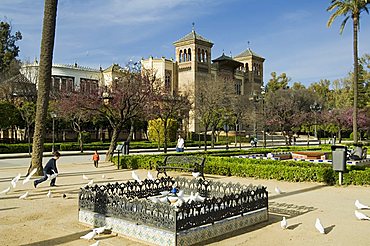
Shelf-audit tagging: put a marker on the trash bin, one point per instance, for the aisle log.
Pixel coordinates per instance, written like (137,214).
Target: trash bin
(126,147)
(339,157)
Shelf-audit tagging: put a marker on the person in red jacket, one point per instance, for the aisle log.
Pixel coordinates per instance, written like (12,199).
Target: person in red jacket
(96,158)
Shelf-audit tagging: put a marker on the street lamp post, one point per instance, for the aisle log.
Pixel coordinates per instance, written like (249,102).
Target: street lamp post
(53,116)
(263,93)
(226,128)
(315,107)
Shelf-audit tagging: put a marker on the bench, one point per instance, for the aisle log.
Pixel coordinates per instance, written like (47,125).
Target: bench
(181,162)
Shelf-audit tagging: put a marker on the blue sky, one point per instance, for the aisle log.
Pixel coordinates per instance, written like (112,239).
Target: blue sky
(291,35)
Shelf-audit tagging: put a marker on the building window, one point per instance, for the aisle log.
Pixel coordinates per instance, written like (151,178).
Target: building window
(167,80)
(89,86)
(189,54)
(238,87)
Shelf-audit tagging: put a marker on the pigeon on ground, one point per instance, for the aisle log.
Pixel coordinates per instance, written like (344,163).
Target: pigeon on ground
(360,205)
(319,226)
(361,216)
(49,195)
(96,243)
(91,182)
(24,196)
(15,180)
(195,174)
(84,177)
(150,176)
(103,176)
(29,176)
(89,235)
(284,223)
(64,196)
(99,230)
(277,190)
(135,176)
(5,191)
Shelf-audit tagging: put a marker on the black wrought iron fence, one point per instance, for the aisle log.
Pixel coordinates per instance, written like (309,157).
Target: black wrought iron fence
(129,201)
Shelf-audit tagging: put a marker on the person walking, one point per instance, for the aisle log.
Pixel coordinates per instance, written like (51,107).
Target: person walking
(180,144)
(50,171)
(96,158)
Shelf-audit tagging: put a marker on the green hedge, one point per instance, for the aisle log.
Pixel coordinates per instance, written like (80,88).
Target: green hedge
(293,171)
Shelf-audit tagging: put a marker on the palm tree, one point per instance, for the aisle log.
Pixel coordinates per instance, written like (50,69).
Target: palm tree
(353,9)
(44,81)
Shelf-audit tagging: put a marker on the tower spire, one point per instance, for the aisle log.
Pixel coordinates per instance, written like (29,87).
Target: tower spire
(193,27)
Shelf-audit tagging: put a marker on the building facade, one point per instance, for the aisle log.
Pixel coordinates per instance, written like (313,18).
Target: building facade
(193,66)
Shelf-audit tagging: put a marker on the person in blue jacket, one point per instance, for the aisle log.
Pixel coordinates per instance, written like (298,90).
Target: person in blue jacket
(50,171)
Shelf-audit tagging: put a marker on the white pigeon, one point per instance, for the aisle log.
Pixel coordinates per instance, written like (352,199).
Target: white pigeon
(29,176)
(89,235)
(103,176)
(135,176)
(15,180)
(361,216)
(96,243)
(359,205)
(277,190)
(198,198)
(150,176)
(84,177)
(154,199)
(178,203)
(49,195)
(24,196)
(180,193)
(163,199)
(91,182)
(191,197)
(195,174)
(99,230)
(319,226)
(5,191)
(284,223)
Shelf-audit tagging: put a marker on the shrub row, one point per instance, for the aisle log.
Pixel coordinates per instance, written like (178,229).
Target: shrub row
(292,171)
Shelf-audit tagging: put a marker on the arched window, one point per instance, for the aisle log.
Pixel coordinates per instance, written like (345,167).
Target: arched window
(185,56)
(202,56)
(199,58)
(189,54)
(206,56)
(180,56)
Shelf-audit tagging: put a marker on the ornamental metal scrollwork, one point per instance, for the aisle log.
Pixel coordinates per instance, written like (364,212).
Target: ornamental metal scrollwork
(130,201)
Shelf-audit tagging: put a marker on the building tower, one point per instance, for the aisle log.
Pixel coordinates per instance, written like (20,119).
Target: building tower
(253,65)
(193,55)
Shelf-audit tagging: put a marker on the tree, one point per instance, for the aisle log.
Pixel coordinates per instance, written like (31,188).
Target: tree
(277,82)
(8,48)
(44,81)
(350,9)
(167,107)
(128,97)
(288,109)
(67,108)
(28,112)
(215,98)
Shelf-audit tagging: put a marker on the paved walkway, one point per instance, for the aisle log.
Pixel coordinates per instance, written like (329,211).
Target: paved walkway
(39,220)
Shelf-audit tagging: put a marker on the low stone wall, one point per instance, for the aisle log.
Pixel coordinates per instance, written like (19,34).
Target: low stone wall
(158,236)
